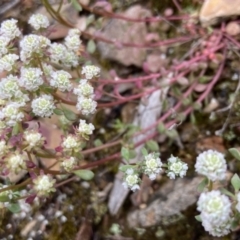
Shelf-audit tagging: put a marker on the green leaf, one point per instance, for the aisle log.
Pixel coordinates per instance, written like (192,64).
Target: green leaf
(152,145)
(76,5)
(84,174)
(235,181)
(235,224)
(144,152)
(202,185)
(15,129)
(90,19)
(70,115)
(132,154)
(14,207)
(58,111)
(235,152)
(226,192)
(91,46)
(4,198)
(161,128)
(98,143)
(198,218)
(124,168)
(125,153)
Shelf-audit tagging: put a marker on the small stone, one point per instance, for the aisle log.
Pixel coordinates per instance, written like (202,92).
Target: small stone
(213,9)
(233,28)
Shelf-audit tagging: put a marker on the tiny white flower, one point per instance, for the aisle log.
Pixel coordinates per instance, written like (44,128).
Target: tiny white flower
(84,89)
(153,165)
(131,181)
(11,114)
(9,87)
(86,105)
(61,80)
(176,168)
(31,78)
(215,212)
(38,21)
(4,41)
(73,32)
(47,70)
(4,148)
(44,185)
(90,71)
(21,99)
(43,106)
(85,128)
(73,42)
(211,164)
(33,138)
(10,29)
(68,164)
(129,171)
(70,59)
(7,62)
(16,162)
(57,52)
(33,44)
(70,143)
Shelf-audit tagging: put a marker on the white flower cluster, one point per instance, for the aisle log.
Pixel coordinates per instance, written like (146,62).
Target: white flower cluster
(33,45)
(84,89)
(66,54)
(31,78)
(72,40)
(153,165)
(131,180)
(90,71)
(176,168)
(4,42)
(85,129)
(9,29)
(9,87)
(211,164)
(43,106)
(71,143)
(11,114)
(85,94)
(44,185)
(7,62)
(3,148)
(38,21)
(16,162)
(61,80)
(68,164)
(33,139)
(215,213)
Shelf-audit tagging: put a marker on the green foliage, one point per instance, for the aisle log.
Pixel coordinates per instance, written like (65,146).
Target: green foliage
(235,181)
(91,46)
(152,145)
(14,207)
(70,115)
(58,111)
(235,152)
(202,184)
(127,154)
(76,5)
(84,174)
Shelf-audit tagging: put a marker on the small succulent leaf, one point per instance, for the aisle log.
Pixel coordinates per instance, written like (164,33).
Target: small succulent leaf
(235,181)
(202,185)
(84,174)
(14,207)
(235,152)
